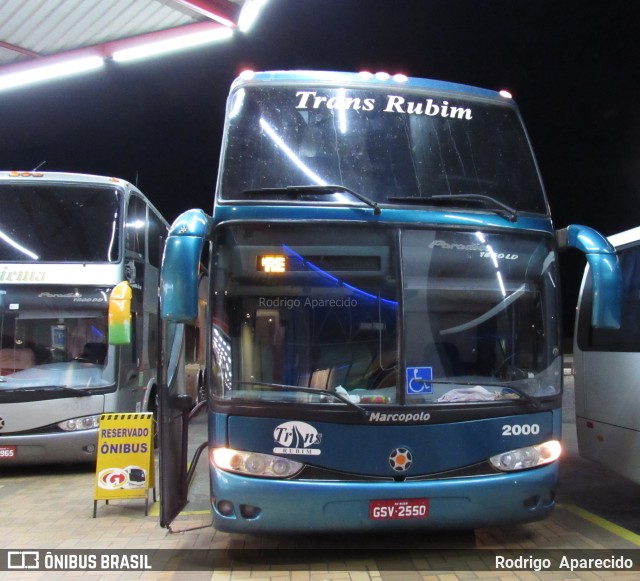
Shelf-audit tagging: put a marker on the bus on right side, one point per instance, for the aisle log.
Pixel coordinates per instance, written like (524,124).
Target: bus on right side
(607,368)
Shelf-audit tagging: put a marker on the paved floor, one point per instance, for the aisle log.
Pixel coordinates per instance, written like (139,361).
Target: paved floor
(52,509)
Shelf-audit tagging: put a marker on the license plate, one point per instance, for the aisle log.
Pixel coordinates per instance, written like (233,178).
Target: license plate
(8,452)
(399,508)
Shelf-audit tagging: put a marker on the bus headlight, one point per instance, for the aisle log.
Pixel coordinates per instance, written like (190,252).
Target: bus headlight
(528,457)
(254,464)
(77,424)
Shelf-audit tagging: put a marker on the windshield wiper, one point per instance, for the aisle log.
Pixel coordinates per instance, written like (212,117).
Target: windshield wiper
(502,209)
(78,391)
(74,391)
(284,387)
(524,396)
(319,189)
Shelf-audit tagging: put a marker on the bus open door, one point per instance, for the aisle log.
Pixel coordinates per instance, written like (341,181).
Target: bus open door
(176,405)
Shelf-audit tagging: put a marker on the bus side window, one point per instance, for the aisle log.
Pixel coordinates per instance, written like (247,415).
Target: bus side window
(627,338)
(157,236)
(136,223)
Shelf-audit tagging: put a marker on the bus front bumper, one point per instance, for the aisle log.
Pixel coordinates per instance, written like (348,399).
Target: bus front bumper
(49,448)
(242,504)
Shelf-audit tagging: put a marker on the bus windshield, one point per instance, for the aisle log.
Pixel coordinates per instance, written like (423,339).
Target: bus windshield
(393,147)
(54,338)
(473,315)
(58,222)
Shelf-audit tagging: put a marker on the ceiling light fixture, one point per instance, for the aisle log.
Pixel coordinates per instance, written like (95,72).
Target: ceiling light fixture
(50,71)
(249,14)
(177,43)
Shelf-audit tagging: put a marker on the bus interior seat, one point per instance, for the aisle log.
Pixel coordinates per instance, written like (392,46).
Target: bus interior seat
(320,379)
(16,359)
(94,353)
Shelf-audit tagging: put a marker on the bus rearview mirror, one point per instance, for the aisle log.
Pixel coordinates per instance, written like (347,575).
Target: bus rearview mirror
(179,279)
(605,268)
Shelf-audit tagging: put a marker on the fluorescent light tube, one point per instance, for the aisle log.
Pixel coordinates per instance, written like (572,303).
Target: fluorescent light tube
(50,71)
(249,14)
(176,43)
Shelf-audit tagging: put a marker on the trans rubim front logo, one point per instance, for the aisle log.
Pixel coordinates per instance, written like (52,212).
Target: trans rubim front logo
(297,438)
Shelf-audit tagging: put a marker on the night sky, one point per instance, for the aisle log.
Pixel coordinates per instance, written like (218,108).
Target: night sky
(572,66)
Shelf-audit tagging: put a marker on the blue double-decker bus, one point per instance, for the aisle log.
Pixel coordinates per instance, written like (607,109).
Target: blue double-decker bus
(382,308)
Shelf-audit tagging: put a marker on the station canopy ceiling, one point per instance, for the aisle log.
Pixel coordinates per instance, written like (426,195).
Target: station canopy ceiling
(43,37)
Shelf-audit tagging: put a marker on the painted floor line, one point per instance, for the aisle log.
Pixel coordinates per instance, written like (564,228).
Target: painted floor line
(155,511)
(603,523)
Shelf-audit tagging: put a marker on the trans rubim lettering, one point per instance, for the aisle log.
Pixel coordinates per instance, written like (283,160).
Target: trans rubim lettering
(393,104)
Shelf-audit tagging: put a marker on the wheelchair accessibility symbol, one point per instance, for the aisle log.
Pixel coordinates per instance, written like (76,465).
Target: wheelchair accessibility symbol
(419,380)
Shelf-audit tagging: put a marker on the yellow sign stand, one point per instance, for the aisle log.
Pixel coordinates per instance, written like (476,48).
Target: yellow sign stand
(125,463)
